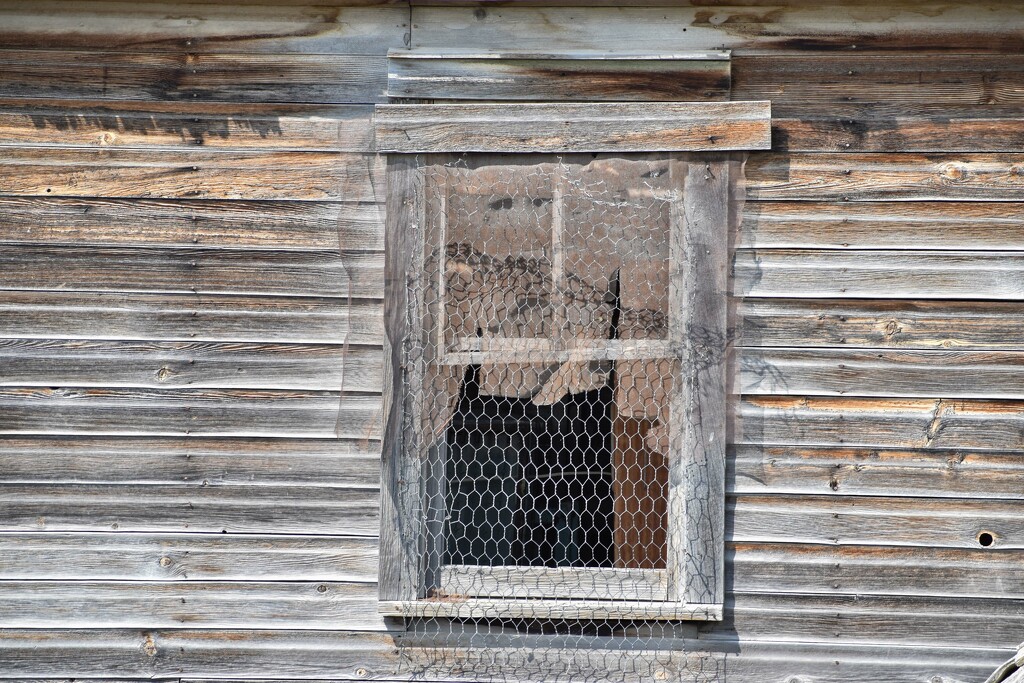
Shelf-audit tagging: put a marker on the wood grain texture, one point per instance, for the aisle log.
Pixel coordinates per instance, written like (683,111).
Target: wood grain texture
(200,412)
(842,372)
(194,509)
(979,325)
(894,177)
(280,225)
(194,317)
(882,521)
(951,473)
(210,27)
(252,462)
(805,83)
(188,76)
(900,423)
(343,606)
(877,274)
(201,271)
(875,570)
(193,174)
(450,75)
(56,556)
(206,365)
(595,127)
(162,124)
(843,130)
(981,27)
(976,226)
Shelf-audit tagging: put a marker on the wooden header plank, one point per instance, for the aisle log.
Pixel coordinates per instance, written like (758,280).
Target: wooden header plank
(578,75)
(604,127)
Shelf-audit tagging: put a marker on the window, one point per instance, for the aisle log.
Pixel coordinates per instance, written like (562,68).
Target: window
(556,313)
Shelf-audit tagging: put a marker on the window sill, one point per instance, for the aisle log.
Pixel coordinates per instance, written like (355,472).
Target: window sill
(483,608)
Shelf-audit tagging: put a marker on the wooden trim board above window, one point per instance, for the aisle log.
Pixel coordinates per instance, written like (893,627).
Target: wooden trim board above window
(595,127)
(582,75)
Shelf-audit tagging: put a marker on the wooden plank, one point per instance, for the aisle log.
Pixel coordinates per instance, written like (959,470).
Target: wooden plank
(957,473)
(199,365)
(880,324)
(862,520)
(254,462)
(699,411)
(595,127)
(501,608)
(977,226)
(55,556)
(202,271)
(894,177)
(876,274)
(158,125)
(851,372)
(194,508)
(182,222)
(194,174)
(581,583)
(903,620)
(343,606)
(900,423)
(207,317)
(982,27)
(198,76)
(174,27)
(166,654)
(873,570)
(570,76)
(838,131)
(802,83)
(202,412)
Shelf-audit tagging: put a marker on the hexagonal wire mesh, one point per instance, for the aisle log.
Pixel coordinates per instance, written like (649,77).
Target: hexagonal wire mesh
(551,356)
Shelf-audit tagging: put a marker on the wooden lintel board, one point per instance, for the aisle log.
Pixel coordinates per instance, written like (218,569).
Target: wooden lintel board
(591,127)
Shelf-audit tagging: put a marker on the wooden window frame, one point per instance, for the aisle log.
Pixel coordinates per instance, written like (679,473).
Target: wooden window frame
(693,580)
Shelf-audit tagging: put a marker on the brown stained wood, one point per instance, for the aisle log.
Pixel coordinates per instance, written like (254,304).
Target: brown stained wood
(980,27)
(55,556)
(827,82)
(203,271)
(836,131)
(190,174)
(640,490)
(193,77)
(183,222)
(213,365)
(851,372)
(976,226)
(153,604)
(253,462)
(109,124)
(950,325)
(898,177)
(444,75)
(952,473)
(876,570)
(595,127)
(107,315)
(878,422)
(877,521)
(873,274)
(194,508)
(199,412)
(210,27)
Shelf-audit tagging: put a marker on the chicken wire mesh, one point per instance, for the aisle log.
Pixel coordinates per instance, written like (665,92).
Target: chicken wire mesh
(547,354)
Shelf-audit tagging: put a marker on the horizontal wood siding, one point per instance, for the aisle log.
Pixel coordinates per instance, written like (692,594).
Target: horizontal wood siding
(192,237)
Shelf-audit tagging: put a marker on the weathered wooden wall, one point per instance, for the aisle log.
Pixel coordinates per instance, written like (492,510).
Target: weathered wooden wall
(191,321)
